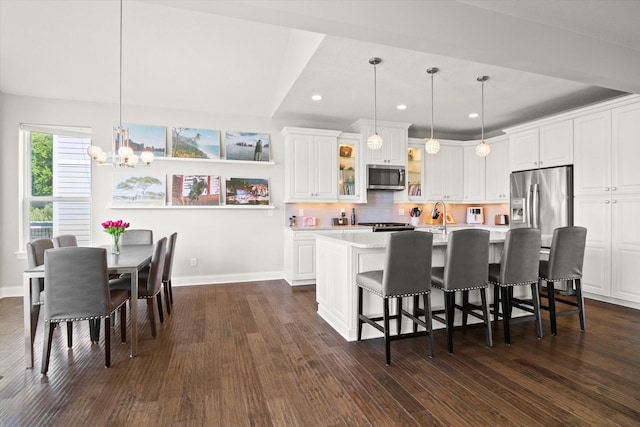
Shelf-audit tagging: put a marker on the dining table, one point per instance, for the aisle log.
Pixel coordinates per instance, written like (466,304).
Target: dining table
(131,259)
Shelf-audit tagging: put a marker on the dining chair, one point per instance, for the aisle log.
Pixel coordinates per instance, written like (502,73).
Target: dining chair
(64,241)
(35,257)
(137,237)
(166,273)
(77,288)
(149,285)
(566,259)
(519,266)
(407,272)
(466,268)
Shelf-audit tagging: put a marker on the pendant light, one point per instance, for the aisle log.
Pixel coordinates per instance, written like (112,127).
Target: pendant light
(125,156)
(431,145)
(483,149)
(374,142)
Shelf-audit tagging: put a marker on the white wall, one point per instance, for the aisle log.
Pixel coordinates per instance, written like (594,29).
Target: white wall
(231,245)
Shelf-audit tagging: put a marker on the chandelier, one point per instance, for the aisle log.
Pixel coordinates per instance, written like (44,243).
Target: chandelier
(124,155)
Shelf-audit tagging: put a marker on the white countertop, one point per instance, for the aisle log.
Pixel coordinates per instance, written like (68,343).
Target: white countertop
(425,227)
(380,240)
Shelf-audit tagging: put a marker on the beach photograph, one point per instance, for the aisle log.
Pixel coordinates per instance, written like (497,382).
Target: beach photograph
(248,146)
(194,143)
(247,191)
(145,138)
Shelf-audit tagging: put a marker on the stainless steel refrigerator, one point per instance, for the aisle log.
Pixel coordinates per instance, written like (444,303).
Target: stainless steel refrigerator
(542,198)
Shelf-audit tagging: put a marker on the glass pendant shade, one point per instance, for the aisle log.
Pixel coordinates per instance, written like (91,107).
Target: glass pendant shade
(431,146)
(94,151)
(374,142)
(483,149)
(146,157)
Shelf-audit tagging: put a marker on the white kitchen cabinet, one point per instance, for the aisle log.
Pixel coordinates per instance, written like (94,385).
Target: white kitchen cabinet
(445,174)
(474,175)
(311,167)
(625,138)
(497,171)
(542,147)
(592,150)
(351,177)
(612,256)
(416,157)
(300,253)
(394,142)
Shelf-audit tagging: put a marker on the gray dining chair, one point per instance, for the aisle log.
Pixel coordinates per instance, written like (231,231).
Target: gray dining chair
(35,257)
(466,268)
(137,237)
(64,241)
(149,285)
(566,259)
(519,265)
(77,288)
(406,273)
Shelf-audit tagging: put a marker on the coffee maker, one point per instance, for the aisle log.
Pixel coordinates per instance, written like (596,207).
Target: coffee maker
(475,215)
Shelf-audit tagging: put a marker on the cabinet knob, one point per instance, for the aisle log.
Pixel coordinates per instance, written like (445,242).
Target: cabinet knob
(606,188)
(535,163)
(614,188)
(614,201)
(540,162)
(606,202)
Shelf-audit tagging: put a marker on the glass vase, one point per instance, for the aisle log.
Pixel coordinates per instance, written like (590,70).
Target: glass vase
(115,245)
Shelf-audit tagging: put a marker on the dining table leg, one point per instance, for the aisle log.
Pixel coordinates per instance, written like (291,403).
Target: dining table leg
(133,308)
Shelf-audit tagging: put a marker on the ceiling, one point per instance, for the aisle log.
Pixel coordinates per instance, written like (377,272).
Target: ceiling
(266,58)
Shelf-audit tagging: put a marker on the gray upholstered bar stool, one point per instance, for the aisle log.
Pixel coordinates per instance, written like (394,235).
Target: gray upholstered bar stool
(565,264)
(518,267)
(466,268)
(77,288)
(407,272)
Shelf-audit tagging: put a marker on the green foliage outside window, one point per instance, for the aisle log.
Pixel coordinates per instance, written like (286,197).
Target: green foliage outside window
(41,174)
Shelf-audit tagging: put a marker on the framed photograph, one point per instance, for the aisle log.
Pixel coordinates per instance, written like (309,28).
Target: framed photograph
(247,146)
(193,143)
(144,138)
(247,191)
(195,190)
(138,189)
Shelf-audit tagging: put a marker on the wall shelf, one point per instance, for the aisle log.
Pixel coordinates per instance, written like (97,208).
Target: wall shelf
(223,207)
(235,162)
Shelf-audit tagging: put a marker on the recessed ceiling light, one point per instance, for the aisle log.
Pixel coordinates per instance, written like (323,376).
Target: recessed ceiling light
(473,115)
(401,107)
(317,97)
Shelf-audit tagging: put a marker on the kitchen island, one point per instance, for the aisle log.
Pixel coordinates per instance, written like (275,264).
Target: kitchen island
(340,257)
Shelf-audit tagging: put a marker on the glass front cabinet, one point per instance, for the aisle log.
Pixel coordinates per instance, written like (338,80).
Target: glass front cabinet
(351,186)
(415,174)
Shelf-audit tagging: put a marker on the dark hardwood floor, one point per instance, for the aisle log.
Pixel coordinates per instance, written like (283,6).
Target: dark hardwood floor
(258,354)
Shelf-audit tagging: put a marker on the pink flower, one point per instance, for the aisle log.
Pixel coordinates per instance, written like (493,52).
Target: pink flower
(115,228)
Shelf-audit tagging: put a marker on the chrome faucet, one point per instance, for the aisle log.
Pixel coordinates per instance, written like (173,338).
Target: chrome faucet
(434,212)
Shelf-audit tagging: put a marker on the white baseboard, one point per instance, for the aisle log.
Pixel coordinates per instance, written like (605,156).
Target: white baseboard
(227,278)
(16,291)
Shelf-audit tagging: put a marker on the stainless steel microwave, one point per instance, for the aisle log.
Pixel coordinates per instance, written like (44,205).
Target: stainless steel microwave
(383,177)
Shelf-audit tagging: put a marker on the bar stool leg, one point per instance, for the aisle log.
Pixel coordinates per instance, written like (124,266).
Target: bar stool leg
(506,313)
(427,313)
(450,300)
(487,319)
(580,301)
(551,296)
(387,342)
(399,319)
(535,299)
(359,313)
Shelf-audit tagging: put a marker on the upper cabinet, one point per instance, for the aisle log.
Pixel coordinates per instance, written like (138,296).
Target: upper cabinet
(444,173)
(311,167)
(474,174)
(394,142)
(592,150)
(497,171)
(625,140)
(351,187)
(542,147)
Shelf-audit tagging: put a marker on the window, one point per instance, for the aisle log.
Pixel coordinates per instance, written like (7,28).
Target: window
(56,184)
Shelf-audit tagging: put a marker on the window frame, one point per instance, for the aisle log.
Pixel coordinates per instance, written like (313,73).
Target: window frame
(24,183)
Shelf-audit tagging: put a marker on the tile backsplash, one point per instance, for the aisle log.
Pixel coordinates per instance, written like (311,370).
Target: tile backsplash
(380,208)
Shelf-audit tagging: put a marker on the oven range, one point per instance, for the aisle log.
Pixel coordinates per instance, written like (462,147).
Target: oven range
(388,226)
